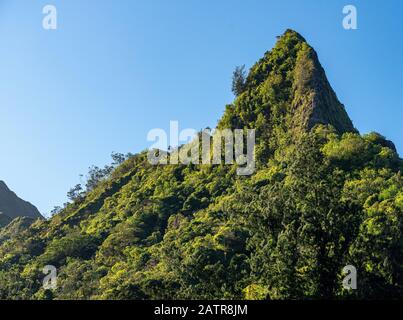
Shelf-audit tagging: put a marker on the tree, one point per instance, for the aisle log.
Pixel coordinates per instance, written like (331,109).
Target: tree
(118,158)
(239,80)
(56,210)
(74,194)
(96,175)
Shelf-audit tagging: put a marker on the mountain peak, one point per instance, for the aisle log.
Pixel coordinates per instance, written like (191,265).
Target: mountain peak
(288,87)
(3,185)
(12,206)
(290,33)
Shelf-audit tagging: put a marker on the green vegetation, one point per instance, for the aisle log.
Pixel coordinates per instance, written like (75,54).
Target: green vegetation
(322,197)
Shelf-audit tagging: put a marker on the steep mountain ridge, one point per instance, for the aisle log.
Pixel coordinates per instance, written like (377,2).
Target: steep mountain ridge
(12,206)
(286,92)
(322,197)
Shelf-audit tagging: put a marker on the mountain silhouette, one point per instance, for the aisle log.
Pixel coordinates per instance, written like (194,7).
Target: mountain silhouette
(12,206)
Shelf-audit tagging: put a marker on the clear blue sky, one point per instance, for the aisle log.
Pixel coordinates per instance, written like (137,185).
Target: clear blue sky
(113,70)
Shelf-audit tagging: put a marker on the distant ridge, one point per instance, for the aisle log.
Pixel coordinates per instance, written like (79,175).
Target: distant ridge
(12,206)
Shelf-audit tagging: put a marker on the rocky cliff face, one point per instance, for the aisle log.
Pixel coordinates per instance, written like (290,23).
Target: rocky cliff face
(11,206)
(314,101)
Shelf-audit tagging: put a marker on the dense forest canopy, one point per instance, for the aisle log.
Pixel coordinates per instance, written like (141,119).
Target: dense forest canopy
(322,197)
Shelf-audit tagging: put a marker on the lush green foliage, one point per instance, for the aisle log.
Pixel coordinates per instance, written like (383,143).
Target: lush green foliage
(322,197)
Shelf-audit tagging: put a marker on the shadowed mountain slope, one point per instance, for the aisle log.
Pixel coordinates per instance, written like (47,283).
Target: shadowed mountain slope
(12,206)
